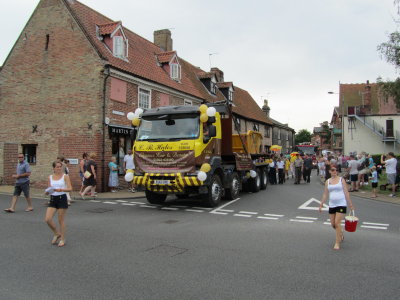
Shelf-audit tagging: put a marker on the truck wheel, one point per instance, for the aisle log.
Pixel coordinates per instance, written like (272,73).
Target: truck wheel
(214,191)
(182,196)
(233,191)
(264,178)
(255,183)
(154,198)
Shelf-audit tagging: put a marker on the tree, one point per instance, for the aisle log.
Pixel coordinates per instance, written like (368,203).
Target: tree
(303,136)
(390,51)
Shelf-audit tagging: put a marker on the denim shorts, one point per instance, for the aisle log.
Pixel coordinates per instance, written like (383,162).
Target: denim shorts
(22,187)
(59,201)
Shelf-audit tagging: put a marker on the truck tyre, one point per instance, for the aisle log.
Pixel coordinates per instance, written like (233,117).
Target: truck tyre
(154,198)
(214,194)
(182,196)
(255,183)
(264,178)
(232,192)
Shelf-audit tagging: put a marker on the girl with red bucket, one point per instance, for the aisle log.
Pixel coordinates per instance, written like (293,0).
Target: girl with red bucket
(339,197)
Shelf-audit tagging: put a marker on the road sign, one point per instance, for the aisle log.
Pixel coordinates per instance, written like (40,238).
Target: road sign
(306,205)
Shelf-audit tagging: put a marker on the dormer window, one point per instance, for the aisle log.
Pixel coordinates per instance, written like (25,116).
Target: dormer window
(114,38)
(230,95)
(175,71)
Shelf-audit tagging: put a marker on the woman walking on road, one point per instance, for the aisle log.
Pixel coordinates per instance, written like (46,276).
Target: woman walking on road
(339,197)
(58,186)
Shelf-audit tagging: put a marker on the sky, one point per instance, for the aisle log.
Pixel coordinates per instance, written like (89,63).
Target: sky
(290,52)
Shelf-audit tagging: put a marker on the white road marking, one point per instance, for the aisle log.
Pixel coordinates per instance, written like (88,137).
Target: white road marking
(268,218)
(206,208)
(240,215)
(137,202)
(218,213)
(148,206)
(272,215)
(169,208)
(226,210)
(306,204)
(307,218)
(301,221)
(108,202)
(130,204)
(97,201)
(121,201)
(248,212)
(194,210)
(374,227)
(378,224)
(226,204)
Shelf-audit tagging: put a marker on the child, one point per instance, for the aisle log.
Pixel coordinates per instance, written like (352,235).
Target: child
(374,181)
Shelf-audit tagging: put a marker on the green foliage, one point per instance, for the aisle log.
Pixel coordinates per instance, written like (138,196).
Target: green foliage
(390,89)
(303,136)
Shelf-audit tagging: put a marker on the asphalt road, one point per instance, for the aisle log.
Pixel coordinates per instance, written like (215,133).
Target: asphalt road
(261,246)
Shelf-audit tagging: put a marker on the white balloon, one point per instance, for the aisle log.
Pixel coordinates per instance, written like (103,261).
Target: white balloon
(138,111)
(211,111)
(202,176)
(130,116)
(253,173)
(128,177)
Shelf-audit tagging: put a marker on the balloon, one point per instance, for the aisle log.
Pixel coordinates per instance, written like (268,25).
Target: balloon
(211,111)
(203,108)
(130,116)
(136,122)
(202,176)
(203,118)
(253,173)
(205,168)
(129,171)
(248,174)
(128,177)
(139,111)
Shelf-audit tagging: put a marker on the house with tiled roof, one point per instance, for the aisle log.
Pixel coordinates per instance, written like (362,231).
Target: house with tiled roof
(281,134)
(370,121)
(74,74)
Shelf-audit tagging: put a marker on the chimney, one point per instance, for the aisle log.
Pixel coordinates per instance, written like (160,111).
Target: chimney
(162,38)
(266,108)
(367,95)
(218,73)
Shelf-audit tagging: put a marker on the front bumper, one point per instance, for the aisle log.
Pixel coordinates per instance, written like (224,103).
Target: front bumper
(171,182)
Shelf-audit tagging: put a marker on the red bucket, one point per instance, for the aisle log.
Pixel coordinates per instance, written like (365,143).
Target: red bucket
(350,222)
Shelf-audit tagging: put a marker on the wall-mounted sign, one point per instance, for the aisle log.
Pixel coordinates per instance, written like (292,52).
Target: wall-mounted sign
(119,130)
(73,161)
(119,113)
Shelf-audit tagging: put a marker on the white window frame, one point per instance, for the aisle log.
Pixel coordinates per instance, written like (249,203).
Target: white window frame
(140,89)
(175,71)
(119,46)
(187,102)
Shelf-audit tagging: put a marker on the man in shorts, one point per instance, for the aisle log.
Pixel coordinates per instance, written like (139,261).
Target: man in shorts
(391,164)
(353,165)
(21,184)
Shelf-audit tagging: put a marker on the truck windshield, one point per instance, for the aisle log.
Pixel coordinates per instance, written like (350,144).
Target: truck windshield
(168,127)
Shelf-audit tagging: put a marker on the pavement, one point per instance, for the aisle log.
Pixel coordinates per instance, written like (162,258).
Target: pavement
(367,195)
(39,194)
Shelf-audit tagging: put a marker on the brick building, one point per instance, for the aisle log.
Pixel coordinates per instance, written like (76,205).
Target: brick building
(73,75)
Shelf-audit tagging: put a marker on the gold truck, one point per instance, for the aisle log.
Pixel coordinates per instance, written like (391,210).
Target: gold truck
(186,150)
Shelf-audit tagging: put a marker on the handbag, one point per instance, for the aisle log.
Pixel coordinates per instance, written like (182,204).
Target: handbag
(87,174)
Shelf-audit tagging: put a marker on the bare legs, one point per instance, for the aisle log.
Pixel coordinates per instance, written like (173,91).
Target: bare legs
(51,211)
(336,222)
(14,203)
(92,189)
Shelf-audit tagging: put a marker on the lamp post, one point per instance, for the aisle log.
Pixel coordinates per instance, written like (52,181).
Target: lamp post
(342,116)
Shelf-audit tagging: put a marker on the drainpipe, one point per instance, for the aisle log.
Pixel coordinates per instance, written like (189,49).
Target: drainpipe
(106,72)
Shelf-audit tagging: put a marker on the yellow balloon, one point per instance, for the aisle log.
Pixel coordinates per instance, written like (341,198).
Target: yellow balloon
(136,122)
(203,117)
(129,171)
(203,108)
(205,168)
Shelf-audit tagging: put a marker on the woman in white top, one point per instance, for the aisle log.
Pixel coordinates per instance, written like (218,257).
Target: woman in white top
(339,197)
(58,186)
